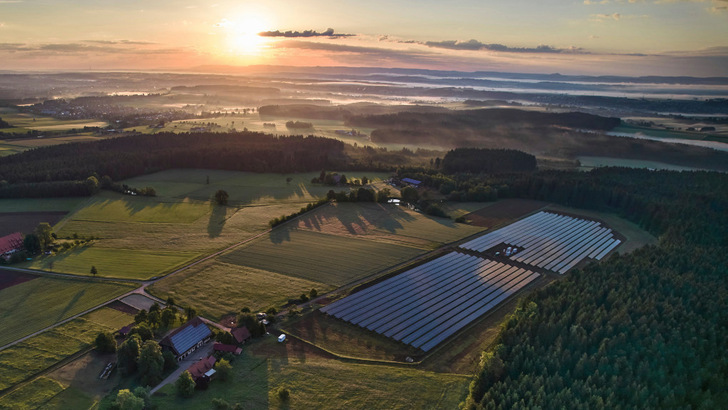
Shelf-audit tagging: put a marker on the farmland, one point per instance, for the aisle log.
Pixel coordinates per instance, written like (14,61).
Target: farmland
(25,222)
(113,263)
(334,260)
(22,122)
(34,205)
(36,304)
(42,351)
(216,288)
(318,382)
(154,235)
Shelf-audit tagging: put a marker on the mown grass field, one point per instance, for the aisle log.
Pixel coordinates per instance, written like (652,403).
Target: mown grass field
(111,207)
(321,383)
(244,188)
(36,304)
(48,348)
(40,205)
(384,223)
(331,259)
(33,395)
(113,263)
(216,288)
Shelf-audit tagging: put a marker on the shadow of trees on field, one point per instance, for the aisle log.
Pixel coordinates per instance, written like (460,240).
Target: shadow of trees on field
(71,303)
(218,218)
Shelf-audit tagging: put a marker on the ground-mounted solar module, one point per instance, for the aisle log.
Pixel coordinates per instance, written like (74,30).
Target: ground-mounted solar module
(547,240)
(429,303)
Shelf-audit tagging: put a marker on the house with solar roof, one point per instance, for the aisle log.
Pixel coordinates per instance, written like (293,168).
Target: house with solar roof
(187,338)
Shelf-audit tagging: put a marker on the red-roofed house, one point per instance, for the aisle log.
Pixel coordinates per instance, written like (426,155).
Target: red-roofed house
(241,334)
(10,244)
(202,371)
(221,347)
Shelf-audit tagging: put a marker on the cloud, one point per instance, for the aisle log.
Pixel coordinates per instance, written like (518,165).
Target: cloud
(306,33)
(475,45)
(603,17)
(86,48)
(590,2)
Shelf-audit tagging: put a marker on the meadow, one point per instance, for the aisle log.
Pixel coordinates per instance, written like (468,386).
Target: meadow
(33,305)
(322,383)
(113,263)
(141,237)
(216,288)
(40,352)
(22,122)
(331,259)
(40,205)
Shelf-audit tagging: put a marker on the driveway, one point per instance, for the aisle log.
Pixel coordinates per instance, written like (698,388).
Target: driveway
(185,364)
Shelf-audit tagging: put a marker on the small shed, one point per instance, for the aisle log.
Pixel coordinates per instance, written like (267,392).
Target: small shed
(225,348)
(241,334)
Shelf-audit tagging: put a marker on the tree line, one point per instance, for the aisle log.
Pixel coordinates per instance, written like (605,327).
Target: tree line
(643,330)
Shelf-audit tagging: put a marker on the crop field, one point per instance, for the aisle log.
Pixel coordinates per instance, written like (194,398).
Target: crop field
(384,223)
(216,288)
(549,241)
(429,303)
(46,349)
(33,395)
(113,263)
(30,306)
(503,211)
(334,260)
(318,382)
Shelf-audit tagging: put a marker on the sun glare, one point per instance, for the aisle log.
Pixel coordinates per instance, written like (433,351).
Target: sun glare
(242,35)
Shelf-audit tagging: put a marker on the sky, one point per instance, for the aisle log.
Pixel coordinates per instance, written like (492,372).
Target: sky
(593,37)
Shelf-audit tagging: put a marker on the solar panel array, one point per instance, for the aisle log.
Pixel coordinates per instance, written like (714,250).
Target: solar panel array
(550,241)
(427,304)
(190,336)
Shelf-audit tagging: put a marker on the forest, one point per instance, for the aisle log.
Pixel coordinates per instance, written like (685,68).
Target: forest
(125,157)
(643,330)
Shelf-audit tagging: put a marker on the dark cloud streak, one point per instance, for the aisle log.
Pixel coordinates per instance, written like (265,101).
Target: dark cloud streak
(306,33)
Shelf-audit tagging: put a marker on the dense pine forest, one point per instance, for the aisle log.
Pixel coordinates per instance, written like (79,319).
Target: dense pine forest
(644,330)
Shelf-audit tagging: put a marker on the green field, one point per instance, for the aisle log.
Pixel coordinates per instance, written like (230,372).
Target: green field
(46,349)
(113,263)
(215,288)
(36,304)
(22,122)
(111,207)
(40,205)
(588,163)
(319,383)
(244,188)
(33,395)
(331,259)
(385,223)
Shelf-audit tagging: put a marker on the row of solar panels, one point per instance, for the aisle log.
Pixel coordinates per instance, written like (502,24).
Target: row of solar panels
(427,304)
(551,241)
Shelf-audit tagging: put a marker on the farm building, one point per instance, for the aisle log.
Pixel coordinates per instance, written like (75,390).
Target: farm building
(10,244)
(221,347)
(187,338)
(202,371)
(241,334)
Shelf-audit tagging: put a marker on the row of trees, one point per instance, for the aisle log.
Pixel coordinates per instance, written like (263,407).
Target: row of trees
(643,330)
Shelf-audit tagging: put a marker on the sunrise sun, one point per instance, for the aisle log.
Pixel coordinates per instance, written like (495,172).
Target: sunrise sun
(241,34)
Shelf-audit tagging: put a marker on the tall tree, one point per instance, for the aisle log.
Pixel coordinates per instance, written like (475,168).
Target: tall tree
(221,197)
(150,363)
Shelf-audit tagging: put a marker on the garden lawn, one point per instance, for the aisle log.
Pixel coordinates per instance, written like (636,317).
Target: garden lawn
(330,259)
(39,303)
(48,348)
(114,263)
(215,288)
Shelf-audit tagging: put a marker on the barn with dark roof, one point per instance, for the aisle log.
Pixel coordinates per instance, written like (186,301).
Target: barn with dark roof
(187,338)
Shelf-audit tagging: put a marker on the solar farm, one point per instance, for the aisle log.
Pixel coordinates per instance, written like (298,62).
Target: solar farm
(549,241)
(427,304)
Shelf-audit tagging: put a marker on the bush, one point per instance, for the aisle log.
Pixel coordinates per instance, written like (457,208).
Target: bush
(105,343)
(185,385)
(284,394)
